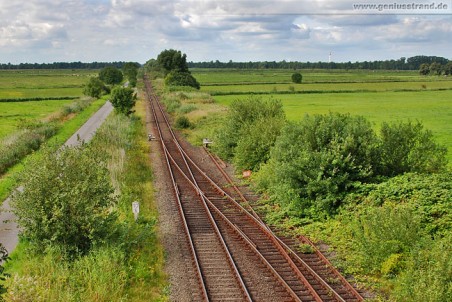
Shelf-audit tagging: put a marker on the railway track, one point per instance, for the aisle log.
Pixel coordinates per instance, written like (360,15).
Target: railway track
(236,257)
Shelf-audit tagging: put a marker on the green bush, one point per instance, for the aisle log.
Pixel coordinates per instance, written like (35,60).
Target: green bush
(68,201)
(297,77)
(316,161)
(240,118)
(182,122)
(179,78)
(407,147)
(94,88)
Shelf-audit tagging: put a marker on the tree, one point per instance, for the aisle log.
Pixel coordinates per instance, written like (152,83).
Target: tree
(111,75)
(94,88)
(130,71)
(172,60)
(179,78)
(68,201)
(123,99)
(407,147)
(424,69)
(448,68)
(297,77)
(435,68)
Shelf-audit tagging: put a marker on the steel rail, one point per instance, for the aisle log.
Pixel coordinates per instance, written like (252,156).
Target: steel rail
(322,257)
(212,221)
(271,236)
(240,233)
(193,253)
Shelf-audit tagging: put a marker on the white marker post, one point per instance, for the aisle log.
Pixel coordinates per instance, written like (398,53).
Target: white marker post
(135,209)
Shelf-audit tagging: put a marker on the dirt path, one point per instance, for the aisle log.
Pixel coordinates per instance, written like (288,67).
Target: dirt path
(8,227)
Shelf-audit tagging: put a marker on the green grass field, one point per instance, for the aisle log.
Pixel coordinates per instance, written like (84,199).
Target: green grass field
(380,96)
(212,77)
(13,114)
(43,83)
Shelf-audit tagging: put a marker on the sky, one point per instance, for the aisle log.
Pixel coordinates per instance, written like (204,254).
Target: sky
(46,31)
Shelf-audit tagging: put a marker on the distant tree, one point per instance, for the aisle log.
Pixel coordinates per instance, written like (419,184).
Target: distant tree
(111,75)
(94,88)
(179,78)
(172,60)
(123,99)
(448,68)
(297,77)
(130,71)
(424,69)
(435,68)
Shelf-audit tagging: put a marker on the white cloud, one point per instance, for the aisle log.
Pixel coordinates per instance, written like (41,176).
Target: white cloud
(102,30)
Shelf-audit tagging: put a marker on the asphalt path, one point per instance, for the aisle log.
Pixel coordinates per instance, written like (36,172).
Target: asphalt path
(8,227)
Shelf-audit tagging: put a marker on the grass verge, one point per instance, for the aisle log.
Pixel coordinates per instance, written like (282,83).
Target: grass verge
(127,268)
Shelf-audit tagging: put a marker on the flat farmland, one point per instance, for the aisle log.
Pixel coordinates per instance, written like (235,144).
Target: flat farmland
(29,84)
(13,114)
(381,96)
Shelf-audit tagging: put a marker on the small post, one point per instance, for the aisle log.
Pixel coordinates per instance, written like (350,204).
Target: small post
(135,209)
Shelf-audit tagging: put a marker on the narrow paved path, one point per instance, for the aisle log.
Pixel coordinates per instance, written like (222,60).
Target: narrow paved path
(8,227)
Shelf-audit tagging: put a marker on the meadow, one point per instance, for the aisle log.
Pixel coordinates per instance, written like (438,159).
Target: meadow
(380,96)
(25,84)
(15,114)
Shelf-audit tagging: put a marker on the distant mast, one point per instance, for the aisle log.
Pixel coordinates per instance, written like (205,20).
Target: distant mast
(329,57)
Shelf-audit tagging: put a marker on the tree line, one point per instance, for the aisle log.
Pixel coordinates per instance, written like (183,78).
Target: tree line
(412,63)
(64,65)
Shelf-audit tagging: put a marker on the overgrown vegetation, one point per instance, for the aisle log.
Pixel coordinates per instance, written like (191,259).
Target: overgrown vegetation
(33,134)
(125,262)
(68,201)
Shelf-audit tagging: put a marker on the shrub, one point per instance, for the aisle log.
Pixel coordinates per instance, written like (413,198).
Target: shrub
(94,88)
(297,77)
(16,147)
(242,114)
(67,202)
(315,162)
(180,78)
(182,122)
(407,147)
